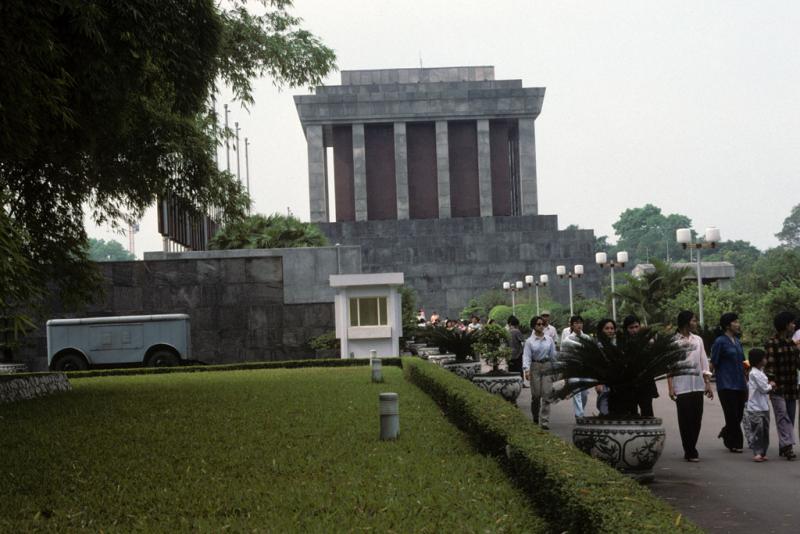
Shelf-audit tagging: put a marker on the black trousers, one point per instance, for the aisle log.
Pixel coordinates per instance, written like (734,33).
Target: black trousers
(690,415)
(733,401)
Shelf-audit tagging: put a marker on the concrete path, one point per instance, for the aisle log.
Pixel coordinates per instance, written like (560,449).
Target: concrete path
(724,492)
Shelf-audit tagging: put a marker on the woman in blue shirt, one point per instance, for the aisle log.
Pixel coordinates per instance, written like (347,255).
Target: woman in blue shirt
(727,358)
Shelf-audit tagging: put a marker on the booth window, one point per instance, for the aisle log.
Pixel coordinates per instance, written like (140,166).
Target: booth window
(368,311)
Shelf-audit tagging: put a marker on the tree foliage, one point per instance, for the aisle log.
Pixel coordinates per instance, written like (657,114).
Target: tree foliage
(646,233)
(483,303)
(105,104)
(275,231)
(646,296)
(790,232)
(111,250)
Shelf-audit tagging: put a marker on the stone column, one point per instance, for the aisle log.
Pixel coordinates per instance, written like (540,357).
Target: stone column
(443,169)
(527,167)
(317,174)
(484,168)
(401,169)
(359,172)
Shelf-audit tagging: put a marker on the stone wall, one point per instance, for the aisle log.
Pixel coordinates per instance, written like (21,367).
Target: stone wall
(449,261)
(244,305)
(15,388)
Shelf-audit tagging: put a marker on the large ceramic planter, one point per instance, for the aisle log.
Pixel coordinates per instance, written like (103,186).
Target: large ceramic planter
(464,369)
(632,446)
(509,386)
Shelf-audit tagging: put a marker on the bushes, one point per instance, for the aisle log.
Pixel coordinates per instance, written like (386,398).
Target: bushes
(244,366)
(574,492)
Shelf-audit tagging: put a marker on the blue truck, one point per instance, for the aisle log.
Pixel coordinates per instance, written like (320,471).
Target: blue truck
(150,340)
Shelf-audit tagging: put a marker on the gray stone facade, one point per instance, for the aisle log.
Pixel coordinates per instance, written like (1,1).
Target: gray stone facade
(449,261)
(435,95)
(244,304)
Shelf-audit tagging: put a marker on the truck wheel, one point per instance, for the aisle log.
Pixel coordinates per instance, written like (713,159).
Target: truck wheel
(71,361)
(163,358)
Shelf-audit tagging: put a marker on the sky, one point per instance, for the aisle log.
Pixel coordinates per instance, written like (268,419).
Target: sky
(691,106)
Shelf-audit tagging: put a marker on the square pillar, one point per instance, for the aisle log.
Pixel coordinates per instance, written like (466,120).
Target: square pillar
(443,169)
(527,167)
(359,172)
(401,169)
(484,168)
(317,174)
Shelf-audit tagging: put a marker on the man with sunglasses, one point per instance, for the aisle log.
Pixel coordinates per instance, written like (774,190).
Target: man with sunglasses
(539,353)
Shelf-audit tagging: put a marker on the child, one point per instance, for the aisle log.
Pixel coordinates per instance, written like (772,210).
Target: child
(756,415)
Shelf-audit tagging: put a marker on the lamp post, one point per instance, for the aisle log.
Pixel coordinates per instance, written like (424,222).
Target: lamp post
(601,258)
(712,237)
(513,288)
(542,282)
(562,273)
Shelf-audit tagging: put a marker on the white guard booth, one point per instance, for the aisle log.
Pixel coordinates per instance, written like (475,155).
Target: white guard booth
(368,313)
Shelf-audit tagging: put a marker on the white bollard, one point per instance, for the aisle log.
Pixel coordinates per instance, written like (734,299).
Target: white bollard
(390,416)
(377,366)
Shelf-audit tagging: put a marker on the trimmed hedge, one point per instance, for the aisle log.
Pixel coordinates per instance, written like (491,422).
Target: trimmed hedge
(244,366)
(574,492)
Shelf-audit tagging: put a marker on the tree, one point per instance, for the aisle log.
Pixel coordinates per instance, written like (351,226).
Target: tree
(275,231)
(646,233)
(790,233)
(111,250)
(646,296)
(740,253)
(483,303)
(105,104)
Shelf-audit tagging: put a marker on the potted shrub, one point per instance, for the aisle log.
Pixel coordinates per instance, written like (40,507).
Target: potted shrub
(492,346)
(460,344)
(630,443)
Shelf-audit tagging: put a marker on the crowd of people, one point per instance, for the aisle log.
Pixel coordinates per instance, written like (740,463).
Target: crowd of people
(746,386)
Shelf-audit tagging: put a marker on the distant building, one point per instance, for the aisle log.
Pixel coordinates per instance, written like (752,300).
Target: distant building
(721,272)
(433,174)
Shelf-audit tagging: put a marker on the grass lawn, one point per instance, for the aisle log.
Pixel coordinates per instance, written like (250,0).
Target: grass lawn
(264,450)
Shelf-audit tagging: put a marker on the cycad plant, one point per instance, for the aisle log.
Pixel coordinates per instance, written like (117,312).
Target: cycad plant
(627,366)
(452,341)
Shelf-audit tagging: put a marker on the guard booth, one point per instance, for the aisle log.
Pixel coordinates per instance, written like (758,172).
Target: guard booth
(368,313)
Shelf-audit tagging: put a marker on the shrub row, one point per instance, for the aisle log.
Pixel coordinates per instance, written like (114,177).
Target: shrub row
(243,366)
(574,492)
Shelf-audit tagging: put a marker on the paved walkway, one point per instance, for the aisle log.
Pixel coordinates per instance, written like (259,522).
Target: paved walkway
(724,492)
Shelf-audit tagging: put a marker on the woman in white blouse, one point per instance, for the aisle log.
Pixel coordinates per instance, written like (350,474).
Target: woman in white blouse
(687,390)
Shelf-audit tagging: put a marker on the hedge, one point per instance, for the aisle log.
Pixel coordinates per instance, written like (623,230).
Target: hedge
(243,366)
(573,491)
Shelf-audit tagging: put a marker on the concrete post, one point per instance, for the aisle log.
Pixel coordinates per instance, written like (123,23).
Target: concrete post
(359,172)
(527,167)
(401,169)
(377,366)
(317,174)
(443,169)
(484,168)
(390,415)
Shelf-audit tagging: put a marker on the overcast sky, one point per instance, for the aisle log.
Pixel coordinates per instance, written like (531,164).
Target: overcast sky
(691,106)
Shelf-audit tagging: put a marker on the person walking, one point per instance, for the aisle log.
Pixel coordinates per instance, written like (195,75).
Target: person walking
(687,390)
(580,398)
(516,340)
(756,414)
(538,353)
(647,392)
(727,357)
(783,360)
(549,330)
(606,335)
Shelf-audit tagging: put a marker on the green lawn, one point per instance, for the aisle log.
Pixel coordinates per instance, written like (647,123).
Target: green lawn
(263,450)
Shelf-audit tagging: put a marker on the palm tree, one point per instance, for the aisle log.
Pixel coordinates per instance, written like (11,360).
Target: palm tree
(644,296)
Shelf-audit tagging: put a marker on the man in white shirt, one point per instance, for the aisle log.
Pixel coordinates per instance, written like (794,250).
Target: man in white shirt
(538,355)
(549,330)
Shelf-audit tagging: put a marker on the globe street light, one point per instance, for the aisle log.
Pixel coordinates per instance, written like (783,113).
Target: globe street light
(562,273)
(513,288)
(712,237)
(543,279)
(601,258)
